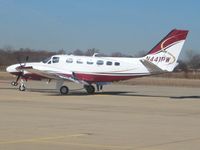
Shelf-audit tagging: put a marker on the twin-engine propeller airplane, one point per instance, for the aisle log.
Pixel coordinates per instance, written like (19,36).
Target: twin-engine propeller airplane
(89,71)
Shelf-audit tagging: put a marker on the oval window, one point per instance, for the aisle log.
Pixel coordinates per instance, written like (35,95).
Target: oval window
(79,61)
(99,62)
(109,63)
(117,64)
(69,60)
(90,62)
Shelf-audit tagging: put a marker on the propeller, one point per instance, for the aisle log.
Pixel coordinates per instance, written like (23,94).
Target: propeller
(21,73)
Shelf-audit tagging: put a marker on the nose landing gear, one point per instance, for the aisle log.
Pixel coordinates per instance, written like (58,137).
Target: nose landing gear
(21,87)
(13,83)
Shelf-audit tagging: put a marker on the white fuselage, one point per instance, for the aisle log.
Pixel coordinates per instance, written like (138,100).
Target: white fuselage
(95,65)
(91,69)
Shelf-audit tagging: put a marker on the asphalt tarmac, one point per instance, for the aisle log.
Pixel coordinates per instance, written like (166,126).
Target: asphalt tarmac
(119,118)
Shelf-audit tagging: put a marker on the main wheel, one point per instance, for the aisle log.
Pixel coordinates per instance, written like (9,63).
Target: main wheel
(22,88)
(90,89)
(64,90)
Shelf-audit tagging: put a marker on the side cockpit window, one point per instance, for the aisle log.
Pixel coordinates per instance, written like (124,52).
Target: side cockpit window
(55,59)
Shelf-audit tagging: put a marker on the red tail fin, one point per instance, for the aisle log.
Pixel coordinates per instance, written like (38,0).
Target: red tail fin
(173,37)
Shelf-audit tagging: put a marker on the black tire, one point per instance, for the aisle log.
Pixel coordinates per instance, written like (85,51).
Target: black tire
(90,89)
(64,90)
(22,88)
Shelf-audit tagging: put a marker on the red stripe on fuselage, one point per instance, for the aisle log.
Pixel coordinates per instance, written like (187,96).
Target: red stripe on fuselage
(102,78)
(92,78)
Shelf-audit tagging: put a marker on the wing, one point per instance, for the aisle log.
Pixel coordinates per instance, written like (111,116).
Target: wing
(45,74)
(52,73)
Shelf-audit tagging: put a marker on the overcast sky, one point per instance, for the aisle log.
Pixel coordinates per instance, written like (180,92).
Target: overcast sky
(126,26)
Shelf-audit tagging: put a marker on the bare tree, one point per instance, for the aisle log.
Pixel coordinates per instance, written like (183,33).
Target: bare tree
(141,53)
(193,59)
(194,63)
(61,51)
(91,52)
(78,52)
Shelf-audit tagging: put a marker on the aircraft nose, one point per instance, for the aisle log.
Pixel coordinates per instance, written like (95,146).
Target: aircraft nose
(11,69)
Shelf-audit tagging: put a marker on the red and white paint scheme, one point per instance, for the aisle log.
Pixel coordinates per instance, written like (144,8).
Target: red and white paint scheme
(101,70)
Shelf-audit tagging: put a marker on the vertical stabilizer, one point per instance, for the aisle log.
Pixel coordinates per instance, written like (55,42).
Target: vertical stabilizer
(165,54)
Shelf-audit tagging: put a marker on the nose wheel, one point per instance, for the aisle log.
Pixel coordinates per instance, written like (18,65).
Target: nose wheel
(13,83)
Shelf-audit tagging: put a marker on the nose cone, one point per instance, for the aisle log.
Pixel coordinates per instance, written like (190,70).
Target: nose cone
(12,69)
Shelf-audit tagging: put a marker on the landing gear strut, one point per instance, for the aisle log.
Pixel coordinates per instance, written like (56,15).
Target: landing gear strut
(64,90)
(90,89)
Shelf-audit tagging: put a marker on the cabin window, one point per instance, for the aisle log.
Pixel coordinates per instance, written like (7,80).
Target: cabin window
(55,59)
(109,63)
(69,60)
(99,62)
(117,64)
(90,62)
(79,61)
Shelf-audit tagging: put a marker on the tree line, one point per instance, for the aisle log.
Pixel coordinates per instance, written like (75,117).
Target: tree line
(10,56)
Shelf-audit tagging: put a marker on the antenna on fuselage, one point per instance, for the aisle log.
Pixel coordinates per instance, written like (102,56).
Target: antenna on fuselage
(95,54)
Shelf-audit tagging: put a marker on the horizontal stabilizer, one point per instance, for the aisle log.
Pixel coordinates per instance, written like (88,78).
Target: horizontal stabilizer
(152,68)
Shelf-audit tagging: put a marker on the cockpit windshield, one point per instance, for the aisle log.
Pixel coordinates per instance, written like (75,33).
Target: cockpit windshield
(46,60)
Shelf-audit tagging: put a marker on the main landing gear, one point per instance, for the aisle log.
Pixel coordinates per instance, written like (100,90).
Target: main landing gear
(22,87)
(64,90)
(90,89)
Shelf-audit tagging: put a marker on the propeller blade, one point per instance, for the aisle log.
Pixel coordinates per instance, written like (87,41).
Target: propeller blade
(19,61)
(27,57)
(21,73)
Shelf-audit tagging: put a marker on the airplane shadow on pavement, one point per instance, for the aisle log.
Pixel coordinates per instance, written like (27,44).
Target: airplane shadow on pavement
(185,97)
(80,92)
(114,93)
